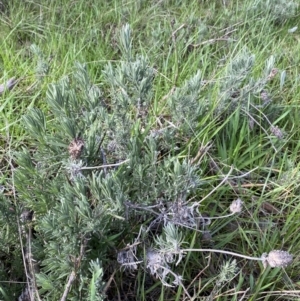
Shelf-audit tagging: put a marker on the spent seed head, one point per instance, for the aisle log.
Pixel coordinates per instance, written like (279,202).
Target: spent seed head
(276,131)
(272,74)
(75,148)
(277,258)
(236,206)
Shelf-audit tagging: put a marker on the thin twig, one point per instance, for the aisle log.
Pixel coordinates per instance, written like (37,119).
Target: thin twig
(210,41)
(201,152)
(223,252)
(244,294)
(31,265)
(245,174)
(109,282)
(201,272)
(68,286)
(168,94)
(177,278)
(77,263)
(156,71)
(296,292)
(231,26)
(175,31)
(104,166)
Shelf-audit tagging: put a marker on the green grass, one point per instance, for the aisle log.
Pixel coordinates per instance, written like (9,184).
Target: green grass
(178,38)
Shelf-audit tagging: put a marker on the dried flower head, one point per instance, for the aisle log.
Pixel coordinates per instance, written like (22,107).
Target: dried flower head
(159,268)
(276,131)
(26,215)
(265,97)
(277,258)
(127,259)
(182,214)
(75,148)
(272,74)
(74,169)
(236,206)
(155,262)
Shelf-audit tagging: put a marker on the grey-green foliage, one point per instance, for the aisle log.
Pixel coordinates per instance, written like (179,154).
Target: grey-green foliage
(131,92)
(80,208)
(170,242)
(42,66)
(167,179)
(240,87)
(126,42)
(73,208)
(227,271)
(65,224)
(277,10)
(186,105)
(166,250)
(183,178)
(96,285)
(131,86)
(70,209)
